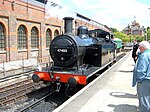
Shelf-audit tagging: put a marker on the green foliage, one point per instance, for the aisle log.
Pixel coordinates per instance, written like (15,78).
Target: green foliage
(122,36)
(138,38)
(113,30)
(148,34)
(128,38)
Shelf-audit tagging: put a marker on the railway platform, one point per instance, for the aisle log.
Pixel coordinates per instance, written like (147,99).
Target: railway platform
(112,91)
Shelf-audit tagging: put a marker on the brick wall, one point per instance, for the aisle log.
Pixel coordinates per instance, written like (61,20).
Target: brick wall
(12,15)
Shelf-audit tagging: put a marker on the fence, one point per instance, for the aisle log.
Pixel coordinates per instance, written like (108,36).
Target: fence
(17,66)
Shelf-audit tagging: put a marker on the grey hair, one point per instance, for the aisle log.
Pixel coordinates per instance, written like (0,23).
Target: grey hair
(145,44)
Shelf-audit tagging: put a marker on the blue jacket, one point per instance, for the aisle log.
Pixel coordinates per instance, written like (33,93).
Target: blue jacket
(142,68)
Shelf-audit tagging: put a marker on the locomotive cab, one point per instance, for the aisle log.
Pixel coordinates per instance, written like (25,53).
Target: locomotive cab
(103,52)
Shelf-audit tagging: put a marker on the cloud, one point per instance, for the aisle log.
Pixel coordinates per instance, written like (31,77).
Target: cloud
(115,13)
(54,9)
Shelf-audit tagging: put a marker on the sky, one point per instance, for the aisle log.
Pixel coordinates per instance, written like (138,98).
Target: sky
(113,13)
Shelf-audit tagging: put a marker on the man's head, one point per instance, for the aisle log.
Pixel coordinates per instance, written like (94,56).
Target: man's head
(144,45)
(134,42)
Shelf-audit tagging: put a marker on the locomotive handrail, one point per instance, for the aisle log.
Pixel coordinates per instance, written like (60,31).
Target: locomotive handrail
(52,70)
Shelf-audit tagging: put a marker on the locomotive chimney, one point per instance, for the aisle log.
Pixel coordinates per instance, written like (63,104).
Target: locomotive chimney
(68,24)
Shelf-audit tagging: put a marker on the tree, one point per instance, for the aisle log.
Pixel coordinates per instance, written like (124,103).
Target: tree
(138,38)
(122,36)
(113,30)
(148,34)
(127,38)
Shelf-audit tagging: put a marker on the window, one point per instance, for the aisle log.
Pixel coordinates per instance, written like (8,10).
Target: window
(34,38)
(48,37)
(56,33)
(2,38)
(22,40)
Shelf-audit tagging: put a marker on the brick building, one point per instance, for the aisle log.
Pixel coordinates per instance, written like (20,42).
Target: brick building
(134,29)
(26,33)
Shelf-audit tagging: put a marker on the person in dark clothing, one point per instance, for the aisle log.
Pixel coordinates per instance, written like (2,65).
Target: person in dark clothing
(134,50)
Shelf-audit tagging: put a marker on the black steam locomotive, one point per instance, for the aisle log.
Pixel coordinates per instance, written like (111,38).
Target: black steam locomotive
(77,57)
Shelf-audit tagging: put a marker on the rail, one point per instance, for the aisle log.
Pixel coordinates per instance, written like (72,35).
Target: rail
(17,91)
(29,107)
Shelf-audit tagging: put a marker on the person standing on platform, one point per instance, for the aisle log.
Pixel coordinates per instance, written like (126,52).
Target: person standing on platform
(134,50)
(141,76)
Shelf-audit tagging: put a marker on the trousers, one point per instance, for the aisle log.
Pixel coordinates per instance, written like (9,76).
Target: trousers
(143,90)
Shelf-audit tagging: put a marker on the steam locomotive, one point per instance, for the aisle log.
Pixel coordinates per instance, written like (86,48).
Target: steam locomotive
(77,57)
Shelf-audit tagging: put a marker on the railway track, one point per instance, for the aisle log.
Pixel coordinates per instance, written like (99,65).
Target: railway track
(38,102)
(16,89)
(20,87)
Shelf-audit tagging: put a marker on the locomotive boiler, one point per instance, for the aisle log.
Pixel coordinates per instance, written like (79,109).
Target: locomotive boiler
(68,50)
(77,57)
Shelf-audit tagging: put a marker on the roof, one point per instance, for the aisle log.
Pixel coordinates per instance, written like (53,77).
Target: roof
(117,39)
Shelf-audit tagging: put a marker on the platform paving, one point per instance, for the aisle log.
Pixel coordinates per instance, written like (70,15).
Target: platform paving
(110,92)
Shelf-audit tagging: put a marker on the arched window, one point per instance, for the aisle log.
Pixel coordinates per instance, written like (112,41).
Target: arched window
(2,38)
(34,38)
(22,37)
(48,37)
(56,33)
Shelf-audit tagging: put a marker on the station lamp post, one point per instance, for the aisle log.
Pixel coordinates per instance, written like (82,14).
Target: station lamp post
(130,32)
(146,33)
